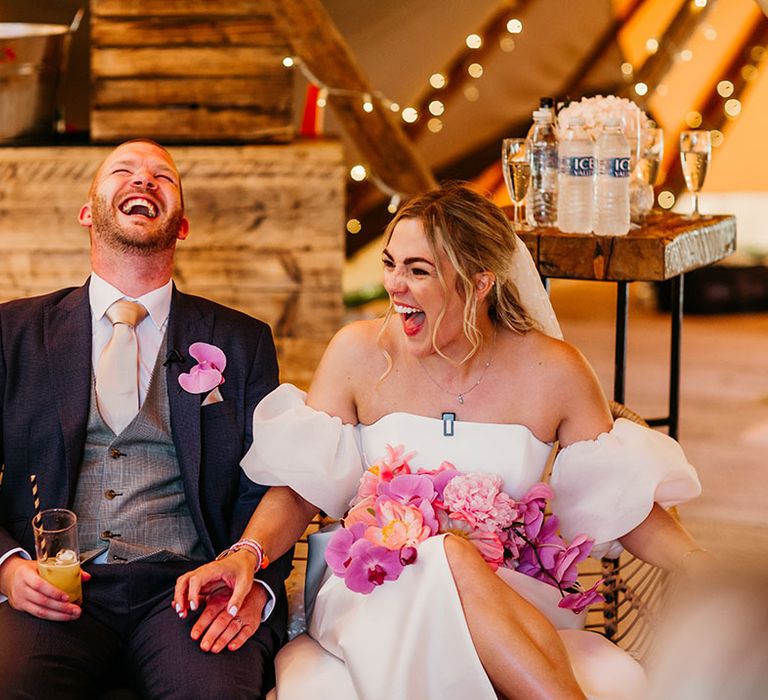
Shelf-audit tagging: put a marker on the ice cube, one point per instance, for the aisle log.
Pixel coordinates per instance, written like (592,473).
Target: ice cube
(66,556)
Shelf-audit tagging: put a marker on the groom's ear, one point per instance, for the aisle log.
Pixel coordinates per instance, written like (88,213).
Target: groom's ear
(183,229)
(84,217)
(484,282)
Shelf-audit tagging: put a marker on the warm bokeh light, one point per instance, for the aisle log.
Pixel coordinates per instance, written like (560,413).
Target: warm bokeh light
(693,119)
(367,104)
(475,70)
(507,44)
(471,93)
(666,199)
(358,172)
(435,125)
(686,55)
(652,45)
(725,88)
(749,73)
(474,41)
(514,26)
(717,137)
(394,106)
(410,115)
(437,80)
(732,108)
(627,69)
(436,108)
(288,61)
(641,89)
(354,226)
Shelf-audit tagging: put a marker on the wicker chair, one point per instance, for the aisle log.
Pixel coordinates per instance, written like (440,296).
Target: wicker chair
(634,590)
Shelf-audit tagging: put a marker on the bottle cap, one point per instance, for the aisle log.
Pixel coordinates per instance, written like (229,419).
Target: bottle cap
(546,103)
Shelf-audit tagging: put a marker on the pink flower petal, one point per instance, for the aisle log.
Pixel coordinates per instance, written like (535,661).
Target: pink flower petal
(200,379)
(205,353)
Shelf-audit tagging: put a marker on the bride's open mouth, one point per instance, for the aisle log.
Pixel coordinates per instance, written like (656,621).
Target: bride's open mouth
(413,318)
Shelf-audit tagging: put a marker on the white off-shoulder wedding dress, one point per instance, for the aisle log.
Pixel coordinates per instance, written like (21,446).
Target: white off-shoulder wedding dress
(408,639)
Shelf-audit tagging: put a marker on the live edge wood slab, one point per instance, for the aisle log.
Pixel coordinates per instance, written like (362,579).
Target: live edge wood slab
(665,246)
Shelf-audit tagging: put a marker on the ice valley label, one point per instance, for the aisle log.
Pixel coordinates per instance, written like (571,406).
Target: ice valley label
(614,167)
(577,166)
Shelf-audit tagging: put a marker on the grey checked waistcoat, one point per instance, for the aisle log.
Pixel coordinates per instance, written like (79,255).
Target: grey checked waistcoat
(130,495)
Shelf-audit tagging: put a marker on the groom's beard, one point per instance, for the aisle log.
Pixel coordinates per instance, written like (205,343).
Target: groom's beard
(160,236)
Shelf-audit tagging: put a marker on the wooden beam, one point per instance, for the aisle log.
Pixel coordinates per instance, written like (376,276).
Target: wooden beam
(317,42)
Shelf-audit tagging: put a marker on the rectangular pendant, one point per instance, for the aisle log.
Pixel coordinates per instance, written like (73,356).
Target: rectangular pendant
(448,420)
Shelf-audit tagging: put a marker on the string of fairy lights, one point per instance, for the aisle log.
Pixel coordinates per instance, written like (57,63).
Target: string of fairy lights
(436,107)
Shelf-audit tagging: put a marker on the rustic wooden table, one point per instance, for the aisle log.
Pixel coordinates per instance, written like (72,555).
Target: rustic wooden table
(664,248)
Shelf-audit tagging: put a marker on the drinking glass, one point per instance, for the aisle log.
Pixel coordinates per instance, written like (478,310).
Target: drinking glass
(651,155)
(695,153)
(58,556)
(516,164)
(631,125)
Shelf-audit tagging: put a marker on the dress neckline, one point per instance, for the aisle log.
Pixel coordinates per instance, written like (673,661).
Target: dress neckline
(432,419)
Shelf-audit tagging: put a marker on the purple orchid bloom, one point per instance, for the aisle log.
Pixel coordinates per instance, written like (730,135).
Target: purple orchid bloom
(371,565)
(582,599)
(337,554)
(208,373)
(412,490)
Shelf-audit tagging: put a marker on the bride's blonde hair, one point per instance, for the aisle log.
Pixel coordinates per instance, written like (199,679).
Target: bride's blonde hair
(477,237)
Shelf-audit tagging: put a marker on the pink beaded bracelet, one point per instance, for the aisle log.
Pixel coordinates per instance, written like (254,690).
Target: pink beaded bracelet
(253,547)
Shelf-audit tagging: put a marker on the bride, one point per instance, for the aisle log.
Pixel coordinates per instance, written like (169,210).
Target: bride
(467,368)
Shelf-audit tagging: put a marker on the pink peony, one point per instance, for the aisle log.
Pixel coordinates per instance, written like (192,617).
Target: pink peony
(478,499)
(364,512)
(398,525)
(486,542)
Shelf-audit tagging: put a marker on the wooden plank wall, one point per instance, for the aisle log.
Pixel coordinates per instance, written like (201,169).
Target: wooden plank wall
(266,233)
(188,71)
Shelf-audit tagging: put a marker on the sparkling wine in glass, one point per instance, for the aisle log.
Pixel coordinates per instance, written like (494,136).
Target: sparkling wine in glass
(516,165)
(695,153)
(651,154)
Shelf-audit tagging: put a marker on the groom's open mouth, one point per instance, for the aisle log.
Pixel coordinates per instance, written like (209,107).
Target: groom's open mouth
(412,317)
(139,206)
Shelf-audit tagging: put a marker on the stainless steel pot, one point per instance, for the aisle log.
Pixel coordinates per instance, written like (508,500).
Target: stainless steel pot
(33,58)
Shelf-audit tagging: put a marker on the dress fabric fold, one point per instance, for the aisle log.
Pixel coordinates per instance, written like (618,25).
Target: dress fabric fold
(409,638)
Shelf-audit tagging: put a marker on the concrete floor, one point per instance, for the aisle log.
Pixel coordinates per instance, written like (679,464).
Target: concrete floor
(724,403)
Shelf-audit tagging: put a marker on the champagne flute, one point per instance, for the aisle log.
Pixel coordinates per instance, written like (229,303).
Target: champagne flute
(516,164)
(695,152)
(651,155)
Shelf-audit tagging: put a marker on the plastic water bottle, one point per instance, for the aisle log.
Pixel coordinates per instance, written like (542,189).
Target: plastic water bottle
(541,203)
(576,179)
(612,185)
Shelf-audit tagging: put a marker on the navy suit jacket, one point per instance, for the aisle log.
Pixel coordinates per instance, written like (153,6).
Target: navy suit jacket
(45,388)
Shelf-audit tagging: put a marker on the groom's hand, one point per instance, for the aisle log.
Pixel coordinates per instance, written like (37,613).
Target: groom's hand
(219,629)
(28,592)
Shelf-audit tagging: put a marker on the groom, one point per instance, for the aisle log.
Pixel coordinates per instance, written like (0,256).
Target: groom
(92,403)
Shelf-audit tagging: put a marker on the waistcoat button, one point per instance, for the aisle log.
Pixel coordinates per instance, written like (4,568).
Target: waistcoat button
(115,453)
(111,493)
(105,534)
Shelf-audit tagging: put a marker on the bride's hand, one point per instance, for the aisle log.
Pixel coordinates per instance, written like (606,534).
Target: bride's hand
(234,572)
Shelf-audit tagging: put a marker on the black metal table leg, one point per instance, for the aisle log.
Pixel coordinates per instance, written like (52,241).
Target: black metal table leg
(620,357)
(674,359)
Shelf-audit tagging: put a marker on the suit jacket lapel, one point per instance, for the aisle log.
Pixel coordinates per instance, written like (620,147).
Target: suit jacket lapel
(187,325)
(67,338)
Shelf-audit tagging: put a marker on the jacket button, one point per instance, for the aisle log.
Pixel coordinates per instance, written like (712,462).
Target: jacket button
(115,453)
(111,493)
(106,534)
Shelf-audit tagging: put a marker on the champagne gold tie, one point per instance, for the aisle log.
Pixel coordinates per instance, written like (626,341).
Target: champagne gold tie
(117,372)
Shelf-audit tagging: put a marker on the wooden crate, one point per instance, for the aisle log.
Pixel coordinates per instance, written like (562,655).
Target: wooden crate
(266,236)
(188,71)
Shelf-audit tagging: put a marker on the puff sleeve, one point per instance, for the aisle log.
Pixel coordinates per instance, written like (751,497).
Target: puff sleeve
(313,453)
(606,487)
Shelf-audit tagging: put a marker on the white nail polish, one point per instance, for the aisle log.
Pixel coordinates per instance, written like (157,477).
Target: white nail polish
(233,610)
(192,605)
(178,607)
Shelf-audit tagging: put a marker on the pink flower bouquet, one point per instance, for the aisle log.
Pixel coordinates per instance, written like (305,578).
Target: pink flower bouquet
(395,509)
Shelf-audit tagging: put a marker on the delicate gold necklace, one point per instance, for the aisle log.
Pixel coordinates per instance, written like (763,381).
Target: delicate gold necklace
(461,394)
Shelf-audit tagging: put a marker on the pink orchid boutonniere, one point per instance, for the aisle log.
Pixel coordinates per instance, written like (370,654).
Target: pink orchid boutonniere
(207,374)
